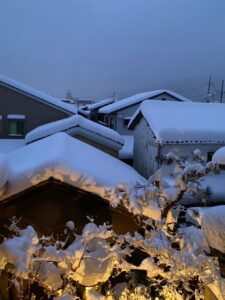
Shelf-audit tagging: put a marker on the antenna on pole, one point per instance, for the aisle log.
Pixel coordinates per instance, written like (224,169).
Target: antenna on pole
(113,96)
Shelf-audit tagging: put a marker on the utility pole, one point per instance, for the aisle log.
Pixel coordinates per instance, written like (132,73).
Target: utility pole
(221,95)
(209,87)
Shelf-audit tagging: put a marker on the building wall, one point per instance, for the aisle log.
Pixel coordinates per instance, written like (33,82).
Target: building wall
(115,120)
(145,150)
(165,96)
(101,147)
(119,117)
(36,113)
(186,150)
(147,154)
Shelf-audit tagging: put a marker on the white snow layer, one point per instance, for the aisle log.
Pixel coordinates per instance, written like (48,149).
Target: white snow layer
(40,96)
(8,145)
(68,160)
(138,98)
(212,222)
(219,156)
(76,121)
(175,122)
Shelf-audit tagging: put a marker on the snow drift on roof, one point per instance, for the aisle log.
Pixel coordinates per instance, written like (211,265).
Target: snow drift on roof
(76,121)
(184,122)
(38,95)
(68,160)
(99,104)
(138,98)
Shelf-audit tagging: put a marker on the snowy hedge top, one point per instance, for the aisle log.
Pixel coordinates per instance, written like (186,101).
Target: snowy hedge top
(76,121)
(176,122)
(138,98)
(38,95)
(219,156)
(68,160)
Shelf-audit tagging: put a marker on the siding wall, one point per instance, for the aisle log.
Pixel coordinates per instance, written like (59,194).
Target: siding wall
(145,150)
(186,150)
(36,113)
(118,116)
(97,145)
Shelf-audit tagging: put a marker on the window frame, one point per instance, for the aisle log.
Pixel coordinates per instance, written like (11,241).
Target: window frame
(18,120)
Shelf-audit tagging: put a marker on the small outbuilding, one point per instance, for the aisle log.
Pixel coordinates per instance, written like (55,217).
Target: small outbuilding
(59,178)
(164,126)
(90,132)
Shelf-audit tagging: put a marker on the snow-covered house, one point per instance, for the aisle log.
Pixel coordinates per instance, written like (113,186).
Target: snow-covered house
(161,127)
(90,132)
(24,108)
(59,178)
(117,115)
(91,110)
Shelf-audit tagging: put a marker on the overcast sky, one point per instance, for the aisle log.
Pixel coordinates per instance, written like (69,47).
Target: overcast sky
(95,47)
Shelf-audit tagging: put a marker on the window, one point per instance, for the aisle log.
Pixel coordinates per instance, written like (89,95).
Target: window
(209,156)
(111,123)
(126,121)
(16,125)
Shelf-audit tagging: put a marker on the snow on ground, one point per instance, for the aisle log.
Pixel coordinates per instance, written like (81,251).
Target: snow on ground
(68,160)
(175,122)
(8,145)
(138,98)
(127,151)
(73,125)
(40,96)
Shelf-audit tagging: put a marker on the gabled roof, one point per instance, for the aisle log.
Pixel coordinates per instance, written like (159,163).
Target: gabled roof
(37,95)
(78,125)
(176,122)
(139,98)
(66,159)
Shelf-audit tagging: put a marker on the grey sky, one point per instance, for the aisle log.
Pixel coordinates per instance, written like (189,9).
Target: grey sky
(95,47)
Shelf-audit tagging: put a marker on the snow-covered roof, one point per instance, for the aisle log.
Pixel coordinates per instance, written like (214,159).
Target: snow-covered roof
(100,103)
(68,160)
(139,98)
(37,95)
(8,145)
(78,125)
(176,122)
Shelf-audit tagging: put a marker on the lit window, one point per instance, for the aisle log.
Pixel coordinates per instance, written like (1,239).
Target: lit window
(16,125)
